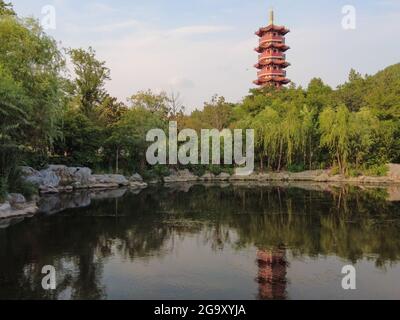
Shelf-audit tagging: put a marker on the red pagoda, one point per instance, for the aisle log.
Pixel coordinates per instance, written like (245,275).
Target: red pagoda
(272,59)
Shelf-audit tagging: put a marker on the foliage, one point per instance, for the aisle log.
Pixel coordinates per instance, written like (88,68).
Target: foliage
(47,115)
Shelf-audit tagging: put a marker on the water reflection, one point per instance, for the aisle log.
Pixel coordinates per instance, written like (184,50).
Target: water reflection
(124,239)
(272,280)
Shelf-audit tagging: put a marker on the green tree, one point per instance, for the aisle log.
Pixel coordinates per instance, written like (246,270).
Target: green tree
(91,75)
(337,130)
(6,9)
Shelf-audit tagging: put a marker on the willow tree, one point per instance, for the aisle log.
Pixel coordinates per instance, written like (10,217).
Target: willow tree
(269,135)
(337,130)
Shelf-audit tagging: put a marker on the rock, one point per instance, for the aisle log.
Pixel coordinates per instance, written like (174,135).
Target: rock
(309,175)
(207,176)
(138,185)
(4,207)
(322,178)
(223,177)
(31,175)
(112,179)
(104,185)
(16,199)
(136,178)
(252,177)
(181,176)
(7,211)
(49,178)
(394,171)
(80,175)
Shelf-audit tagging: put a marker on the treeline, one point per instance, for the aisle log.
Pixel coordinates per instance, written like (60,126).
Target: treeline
(50,114)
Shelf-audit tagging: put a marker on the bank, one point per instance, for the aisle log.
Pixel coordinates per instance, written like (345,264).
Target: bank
(58,181)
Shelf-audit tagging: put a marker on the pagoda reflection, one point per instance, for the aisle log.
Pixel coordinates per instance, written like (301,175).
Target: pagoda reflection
(272,270)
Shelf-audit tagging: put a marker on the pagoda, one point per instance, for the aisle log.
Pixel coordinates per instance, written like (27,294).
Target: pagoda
(272,58)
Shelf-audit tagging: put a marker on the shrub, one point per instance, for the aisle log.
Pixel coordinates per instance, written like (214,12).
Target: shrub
(376,170)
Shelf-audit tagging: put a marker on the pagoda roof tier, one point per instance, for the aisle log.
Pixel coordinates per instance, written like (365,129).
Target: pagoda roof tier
(279,29)
(267,80)
(278,62)
(281,46)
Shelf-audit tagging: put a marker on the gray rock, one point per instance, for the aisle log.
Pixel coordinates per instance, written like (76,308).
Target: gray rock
(50,178)
(16,199)
(207,176)
(136,178)
(181,176)
(80,175)
(138,185)
(112,179)
(223,176)
(31,175)
(6,211)
(322,178)
(4,207)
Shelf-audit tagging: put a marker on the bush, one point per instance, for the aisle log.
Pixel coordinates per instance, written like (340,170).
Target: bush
(295,168)
(16,184)
(377,170)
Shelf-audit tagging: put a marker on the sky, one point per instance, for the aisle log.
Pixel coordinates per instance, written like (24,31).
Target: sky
(204,47)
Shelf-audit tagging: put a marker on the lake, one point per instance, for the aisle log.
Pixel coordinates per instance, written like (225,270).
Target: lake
(215,241)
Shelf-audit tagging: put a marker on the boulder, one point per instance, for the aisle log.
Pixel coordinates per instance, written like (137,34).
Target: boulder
(111,179)
(138,185)
(4,207)
(16,199)
(80,176)
(136,178)
(394,171)
(309,175)
(223,176)
(324,177)
(7,211)
(31,175)
(181,176)
(207,176)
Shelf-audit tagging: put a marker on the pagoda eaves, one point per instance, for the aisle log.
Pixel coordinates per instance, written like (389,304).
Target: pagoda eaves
(272,60)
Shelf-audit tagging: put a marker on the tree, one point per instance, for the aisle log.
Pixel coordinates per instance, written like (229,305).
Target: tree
(155,103)
(91,75)
(6,9)
(337,130)
(129,136)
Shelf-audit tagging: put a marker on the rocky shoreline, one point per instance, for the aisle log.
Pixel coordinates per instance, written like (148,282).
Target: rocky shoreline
(60,181)
(392,177)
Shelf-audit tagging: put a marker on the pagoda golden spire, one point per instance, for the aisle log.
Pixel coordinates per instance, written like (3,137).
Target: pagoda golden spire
(271,16)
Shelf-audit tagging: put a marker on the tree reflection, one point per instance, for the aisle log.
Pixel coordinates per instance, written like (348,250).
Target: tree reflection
(344,221)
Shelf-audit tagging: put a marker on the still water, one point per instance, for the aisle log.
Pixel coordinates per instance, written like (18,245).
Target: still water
(207,242)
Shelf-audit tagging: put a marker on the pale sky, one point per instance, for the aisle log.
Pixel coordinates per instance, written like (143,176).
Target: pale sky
(205,47)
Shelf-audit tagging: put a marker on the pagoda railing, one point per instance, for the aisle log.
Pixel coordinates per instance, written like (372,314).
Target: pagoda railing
(269,38)
(271,55)
(264,73)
